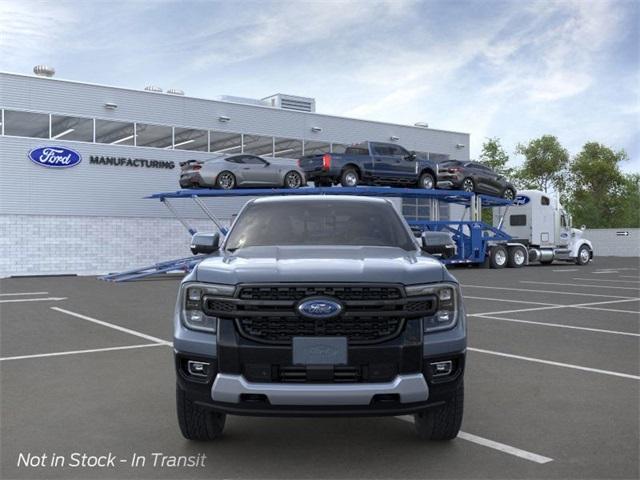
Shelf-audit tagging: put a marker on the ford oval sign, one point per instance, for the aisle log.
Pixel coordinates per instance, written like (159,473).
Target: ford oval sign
(319,308)
(55,157)
(521,200)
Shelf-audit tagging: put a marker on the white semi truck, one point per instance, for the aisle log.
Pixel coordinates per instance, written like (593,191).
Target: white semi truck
(538,222)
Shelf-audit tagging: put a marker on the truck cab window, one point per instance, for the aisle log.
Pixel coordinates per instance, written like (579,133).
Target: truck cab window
(545,201)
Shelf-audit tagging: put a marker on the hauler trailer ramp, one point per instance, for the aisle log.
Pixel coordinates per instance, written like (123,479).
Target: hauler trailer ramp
(476,242)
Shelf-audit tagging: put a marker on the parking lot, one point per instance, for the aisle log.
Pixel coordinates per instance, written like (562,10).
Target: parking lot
(552,386)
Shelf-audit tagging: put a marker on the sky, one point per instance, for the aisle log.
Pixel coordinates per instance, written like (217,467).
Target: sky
(515,70)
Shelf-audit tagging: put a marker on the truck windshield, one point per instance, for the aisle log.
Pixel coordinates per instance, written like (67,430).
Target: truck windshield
(324,222)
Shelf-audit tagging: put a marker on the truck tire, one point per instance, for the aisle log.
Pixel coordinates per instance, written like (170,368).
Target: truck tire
(584,255)
(443,422)
(427,181)
(517,257)
(197,423)
(498,257)
(349,178)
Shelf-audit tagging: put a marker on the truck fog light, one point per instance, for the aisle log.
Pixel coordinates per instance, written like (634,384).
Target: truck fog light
(195,316)
(198,369)
(441,369)
(444,315)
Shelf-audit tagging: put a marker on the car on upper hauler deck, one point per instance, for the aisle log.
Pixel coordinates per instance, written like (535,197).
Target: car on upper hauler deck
(474,177)
(243,170)
(319,306)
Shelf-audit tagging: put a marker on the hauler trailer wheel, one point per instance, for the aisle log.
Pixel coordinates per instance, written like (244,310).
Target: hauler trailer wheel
(584,255)
(196,422)
(498,257)
(517,257)
(443,422)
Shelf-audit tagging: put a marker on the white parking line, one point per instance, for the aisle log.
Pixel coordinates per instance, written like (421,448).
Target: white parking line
(557,325)
(47,299)
(580,285)
(528,302)
(605,280)
(111,325)
(567,270)
(23,293)
(534,290)
(75,352)
(555,364)
(502,447)
(628,276)
(550,306)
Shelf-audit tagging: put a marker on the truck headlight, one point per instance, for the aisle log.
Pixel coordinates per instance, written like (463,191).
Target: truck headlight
(447,307)
(192,297)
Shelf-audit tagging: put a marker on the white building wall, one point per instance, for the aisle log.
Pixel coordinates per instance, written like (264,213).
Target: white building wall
(613,242)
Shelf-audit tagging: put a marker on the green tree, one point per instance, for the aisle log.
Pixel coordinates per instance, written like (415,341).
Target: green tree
(600,195)
(495,157)
(545,163)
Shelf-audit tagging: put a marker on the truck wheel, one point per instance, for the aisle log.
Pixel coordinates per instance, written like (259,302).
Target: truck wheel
(196,422)
(427,181)
(584,255)
(498,257)
(441,423)
(517,257)
(226,180)
(349,178)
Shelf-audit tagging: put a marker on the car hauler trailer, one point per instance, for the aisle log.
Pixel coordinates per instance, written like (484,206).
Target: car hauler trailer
(477,243)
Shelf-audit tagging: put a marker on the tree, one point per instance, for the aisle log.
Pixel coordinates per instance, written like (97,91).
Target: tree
(495,157)
(600,195)
(545,163)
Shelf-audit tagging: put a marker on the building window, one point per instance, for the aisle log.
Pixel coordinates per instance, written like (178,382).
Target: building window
(158,136)
(225,142)
(26,124)
(338,147)
(114,133)
(438,157)
(315,148)
(287,148)
(258,145)
(190,139)
(71,128)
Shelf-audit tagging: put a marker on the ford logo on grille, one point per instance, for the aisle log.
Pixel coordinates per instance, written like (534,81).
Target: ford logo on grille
(319,308)
(55,157)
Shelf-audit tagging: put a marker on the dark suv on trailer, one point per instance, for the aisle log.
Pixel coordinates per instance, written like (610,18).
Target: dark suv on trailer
(319,305)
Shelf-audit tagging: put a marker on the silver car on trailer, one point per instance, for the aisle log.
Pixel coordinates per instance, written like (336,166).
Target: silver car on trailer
(241,170)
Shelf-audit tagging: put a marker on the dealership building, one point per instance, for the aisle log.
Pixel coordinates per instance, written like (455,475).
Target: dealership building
(92,217)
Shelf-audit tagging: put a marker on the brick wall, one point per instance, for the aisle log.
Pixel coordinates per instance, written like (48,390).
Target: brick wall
(41,245)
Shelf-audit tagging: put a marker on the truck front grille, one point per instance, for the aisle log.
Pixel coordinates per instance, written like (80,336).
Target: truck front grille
(372,313)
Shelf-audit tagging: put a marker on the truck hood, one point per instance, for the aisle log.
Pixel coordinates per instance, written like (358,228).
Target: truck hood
(320,264)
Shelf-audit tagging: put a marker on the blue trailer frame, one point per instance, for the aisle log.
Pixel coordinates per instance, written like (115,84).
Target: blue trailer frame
(473,237)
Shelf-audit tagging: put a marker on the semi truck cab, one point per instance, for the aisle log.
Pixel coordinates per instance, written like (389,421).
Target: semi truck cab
(540,222)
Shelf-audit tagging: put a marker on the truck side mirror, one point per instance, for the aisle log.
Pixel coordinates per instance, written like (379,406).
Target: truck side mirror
(439,244)
(205,243)
(411,156)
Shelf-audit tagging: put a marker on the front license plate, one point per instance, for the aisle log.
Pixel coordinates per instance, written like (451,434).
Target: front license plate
(319,350)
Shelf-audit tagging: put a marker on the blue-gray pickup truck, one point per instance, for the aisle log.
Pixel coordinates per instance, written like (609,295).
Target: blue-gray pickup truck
(319,306)
(371,163)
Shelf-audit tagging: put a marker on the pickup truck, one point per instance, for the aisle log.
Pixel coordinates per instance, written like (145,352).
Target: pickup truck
(319,306)
(371,163)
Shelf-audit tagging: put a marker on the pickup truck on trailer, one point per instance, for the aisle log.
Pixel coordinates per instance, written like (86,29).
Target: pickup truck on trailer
(371,163)
(319,306)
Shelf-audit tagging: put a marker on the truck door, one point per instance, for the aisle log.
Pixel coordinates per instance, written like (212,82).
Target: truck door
(565,230)
(405,164)
(383,161)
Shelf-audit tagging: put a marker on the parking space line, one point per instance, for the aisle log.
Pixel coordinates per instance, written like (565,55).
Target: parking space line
(76,352)
(567,270)
(534,290)
(20,300)
(557,325)
(555,364)
(605,280)
(580,285)
(511,301)
(23,293)
(588,306)
(628,276)
(501,447)
(111,325)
